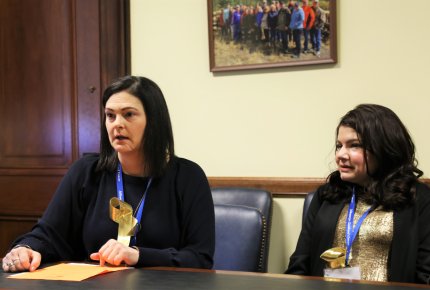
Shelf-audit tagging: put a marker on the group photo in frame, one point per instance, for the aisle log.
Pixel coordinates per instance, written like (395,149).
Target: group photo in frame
(253,34)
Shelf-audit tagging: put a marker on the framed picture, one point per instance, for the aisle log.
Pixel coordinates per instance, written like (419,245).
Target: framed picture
(253,34)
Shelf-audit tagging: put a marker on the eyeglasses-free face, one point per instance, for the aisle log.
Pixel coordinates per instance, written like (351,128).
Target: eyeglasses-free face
(351,158)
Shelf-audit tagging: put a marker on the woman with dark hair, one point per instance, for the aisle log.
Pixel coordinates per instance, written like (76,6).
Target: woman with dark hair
(135,203)
(370,221)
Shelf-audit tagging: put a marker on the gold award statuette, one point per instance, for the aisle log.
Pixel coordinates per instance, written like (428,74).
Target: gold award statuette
(335,257)
(122,213)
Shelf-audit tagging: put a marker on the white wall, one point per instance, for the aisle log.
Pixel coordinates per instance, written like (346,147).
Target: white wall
(280,122)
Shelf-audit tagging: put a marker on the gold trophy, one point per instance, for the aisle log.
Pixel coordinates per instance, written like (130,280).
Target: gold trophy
(335,257)
(122,213)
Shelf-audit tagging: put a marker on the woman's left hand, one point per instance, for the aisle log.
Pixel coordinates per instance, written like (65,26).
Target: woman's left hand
(115,253)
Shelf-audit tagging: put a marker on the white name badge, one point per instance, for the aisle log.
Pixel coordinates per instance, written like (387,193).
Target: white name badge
(343,273)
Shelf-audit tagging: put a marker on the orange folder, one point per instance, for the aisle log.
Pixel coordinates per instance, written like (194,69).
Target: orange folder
(67,272)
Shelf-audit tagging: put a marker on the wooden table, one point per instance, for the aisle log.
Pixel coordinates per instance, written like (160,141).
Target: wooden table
(177,278)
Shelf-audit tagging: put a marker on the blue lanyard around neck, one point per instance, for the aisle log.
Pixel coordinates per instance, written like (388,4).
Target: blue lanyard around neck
(351,231)
(120,194)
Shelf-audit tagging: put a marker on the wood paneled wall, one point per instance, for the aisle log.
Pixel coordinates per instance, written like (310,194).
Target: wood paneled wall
(57,56)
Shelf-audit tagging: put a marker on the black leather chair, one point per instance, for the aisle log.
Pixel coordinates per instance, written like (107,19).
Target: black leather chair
(250,197)
(306,204)
(240,238)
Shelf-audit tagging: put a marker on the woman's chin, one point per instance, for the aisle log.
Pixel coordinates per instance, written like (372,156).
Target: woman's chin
(122,149)
(347,177)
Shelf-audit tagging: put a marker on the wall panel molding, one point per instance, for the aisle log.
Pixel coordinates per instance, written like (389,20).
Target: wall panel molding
(278,186)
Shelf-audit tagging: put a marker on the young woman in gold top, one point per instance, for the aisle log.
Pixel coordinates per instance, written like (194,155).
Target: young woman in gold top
(371,220)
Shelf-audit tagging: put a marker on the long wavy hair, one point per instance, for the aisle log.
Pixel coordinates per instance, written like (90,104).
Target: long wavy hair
(382,134)
(158,144)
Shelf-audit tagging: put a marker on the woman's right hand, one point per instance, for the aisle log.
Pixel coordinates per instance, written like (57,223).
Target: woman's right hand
(21,259)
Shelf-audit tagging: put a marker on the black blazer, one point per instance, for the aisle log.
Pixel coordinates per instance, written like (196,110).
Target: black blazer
(409,258)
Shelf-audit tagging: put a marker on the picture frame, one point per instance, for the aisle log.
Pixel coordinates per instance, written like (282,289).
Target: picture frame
(243,38)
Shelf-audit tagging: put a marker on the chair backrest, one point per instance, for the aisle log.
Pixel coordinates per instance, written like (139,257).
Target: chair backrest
(251,197)
(306,204)
(239,238)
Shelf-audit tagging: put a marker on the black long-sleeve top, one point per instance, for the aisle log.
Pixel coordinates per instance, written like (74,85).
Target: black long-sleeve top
(177,225)
(409,258)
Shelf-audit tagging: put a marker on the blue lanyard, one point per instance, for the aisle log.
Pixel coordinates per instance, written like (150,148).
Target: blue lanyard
(120,194)
(351,231)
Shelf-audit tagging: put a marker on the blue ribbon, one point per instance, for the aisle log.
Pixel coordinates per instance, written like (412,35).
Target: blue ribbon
(120,195)
(351,231)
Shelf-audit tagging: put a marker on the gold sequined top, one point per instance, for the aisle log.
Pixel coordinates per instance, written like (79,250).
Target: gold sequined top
(371,246)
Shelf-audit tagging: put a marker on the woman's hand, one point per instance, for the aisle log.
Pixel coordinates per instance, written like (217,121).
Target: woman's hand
(21,259)
(115,253)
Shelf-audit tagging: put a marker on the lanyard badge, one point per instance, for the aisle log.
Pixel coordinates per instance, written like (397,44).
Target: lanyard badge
(122,212)
(339,257)
(351,231)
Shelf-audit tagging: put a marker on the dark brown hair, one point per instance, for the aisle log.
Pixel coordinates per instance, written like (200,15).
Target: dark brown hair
(382,134)
(158,144)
